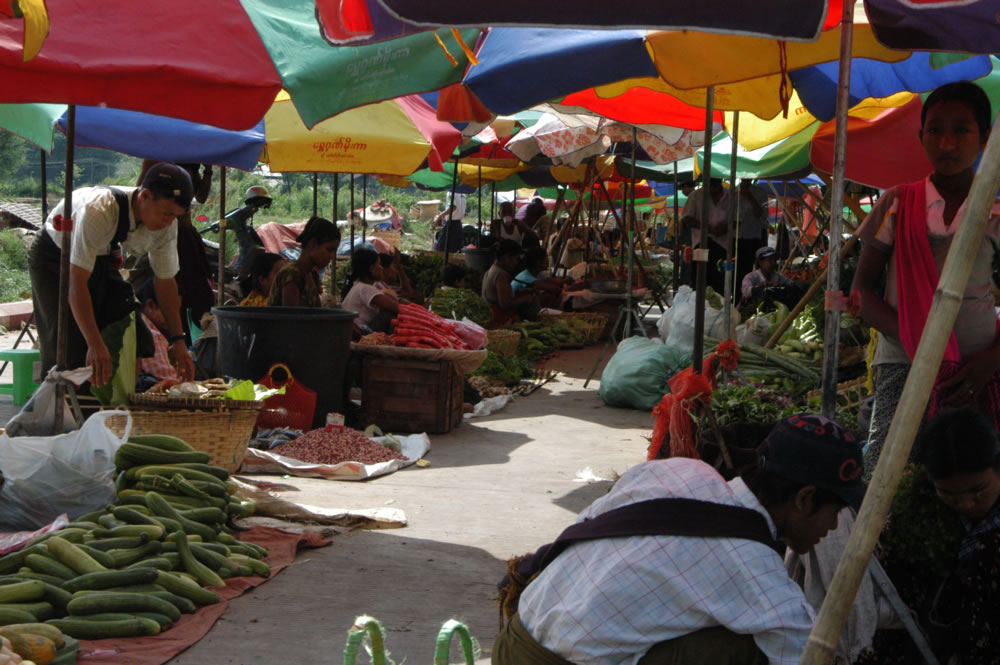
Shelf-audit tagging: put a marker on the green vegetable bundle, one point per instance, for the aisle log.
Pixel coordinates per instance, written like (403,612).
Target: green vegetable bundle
(767,365)
(459,303)
(508,369)
(133,568)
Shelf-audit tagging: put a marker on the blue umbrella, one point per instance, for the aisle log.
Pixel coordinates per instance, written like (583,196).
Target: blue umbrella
(166,139)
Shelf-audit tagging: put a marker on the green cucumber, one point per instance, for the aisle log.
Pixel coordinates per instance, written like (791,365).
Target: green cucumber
(108,521)
(116,601)
(97,555)
(28,574)
(206,576)
(259,568)
(167,471)
(186,588)
(85,629)
(125,557)
(119,543)
(23,592)
(137,453)
(214,471)
(112,578)
(157,562)
(71,555)
(153,531)
(213,560)
(132,516)
(162,620)
(49,566)
(9,616)
(41,610)
(159,506)
(205,515)
(162,441)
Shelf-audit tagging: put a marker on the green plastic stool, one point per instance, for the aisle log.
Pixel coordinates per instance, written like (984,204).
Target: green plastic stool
(23,361)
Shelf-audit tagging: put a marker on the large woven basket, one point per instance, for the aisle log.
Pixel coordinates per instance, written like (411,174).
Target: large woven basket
(596,321)
(503,342)
(392,238)
(222,433)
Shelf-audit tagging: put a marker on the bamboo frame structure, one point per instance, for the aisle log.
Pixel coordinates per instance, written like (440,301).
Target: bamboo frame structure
(906,421)
(701,267)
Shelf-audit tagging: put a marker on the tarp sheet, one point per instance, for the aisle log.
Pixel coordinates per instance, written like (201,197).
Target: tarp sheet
(161,648)
(940,25)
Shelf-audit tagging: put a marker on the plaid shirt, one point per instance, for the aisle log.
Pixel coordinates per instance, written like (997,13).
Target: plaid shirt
(159,365)
(608,601)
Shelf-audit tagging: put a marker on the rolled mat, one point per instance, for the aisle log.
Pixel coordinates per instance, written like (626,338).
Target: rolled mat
(158,649)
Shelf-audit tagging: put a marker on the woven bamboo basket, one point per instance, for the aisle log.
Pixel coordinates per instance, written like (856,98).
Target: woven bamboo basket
(392,238)
(596,321)
(503,342)
(222,433)
(849,393)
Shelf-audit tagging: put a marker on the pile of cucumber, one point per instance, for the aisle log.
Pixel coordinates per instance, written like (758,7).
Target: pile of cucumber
(135,567)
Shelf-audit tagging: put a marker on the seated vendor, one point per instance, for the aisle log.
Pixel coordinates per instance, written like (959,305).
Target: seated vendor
(374,306)
(507,306)
(157,370)
(394,278)
(962,455)
(535,275)
(765,276)
(722,596)
(297,284)
(257,285)
(453,277)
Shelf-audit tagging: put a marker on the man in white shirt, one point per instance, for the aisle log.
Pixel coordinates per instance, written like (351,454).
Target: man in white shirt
(716,242)
(715,598)
(106,221)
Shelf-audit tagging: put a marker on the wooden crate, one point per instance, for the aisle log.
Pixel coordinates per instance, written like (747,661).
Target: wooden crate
(411,395)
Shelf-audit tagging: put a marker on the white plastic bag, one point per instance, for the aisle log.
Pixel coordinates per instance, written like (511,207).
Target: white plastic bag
(71,473)
(677,323)
(37,417)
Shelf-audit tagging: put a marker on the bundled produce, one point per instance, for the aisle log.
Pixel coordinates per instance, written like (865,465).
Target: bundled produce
(461,303)
(376,339)
(416,327)
(133,568)
(540,339)
(320,446)
(507,369)
(424,270)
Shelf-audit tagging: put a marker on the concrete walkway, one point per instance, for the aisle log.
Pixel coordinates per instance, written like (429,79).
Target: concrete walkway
(497,487)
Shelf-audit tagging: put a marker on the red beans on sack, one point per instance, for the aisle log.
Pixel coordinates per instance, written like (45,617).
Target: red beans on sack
(321,447)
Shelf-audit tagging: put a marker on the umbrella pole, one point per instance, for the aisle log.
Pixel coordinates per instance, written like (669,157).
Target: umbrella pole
(221,298)
(730,264)
(677,233)
(447,223)
(629,233)
(336,192)
(907,419)
(62,322)
(45,189)
(350,216)
(493,202)
(701,255)
(831,337)
(364,207)
(479,205)
(315,194)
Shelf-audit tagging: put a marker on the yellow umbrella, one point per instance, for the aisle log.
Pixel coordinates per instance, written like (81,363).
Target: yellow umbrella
(393,137)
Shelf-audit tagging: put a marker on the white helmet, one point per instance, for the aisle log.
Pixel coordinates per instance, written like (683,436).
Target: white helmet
(256,192)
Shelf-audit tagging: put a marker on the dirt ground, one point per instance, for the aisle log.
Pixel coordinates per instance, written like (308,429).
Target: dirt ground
(496,487)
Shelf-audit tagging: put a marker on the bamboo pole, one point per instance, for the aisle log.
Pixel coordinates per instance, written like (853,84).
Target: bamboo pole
(350,216)
(849,200)
(701,256)
(447,222)
(62,321)
(336,193)
(906,421)
(795,311)
(831,337)
(730,264)
(479,205)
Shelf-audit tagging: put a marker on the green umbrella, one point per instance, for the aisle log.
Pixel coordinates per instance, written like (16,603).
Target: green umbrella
(32,122)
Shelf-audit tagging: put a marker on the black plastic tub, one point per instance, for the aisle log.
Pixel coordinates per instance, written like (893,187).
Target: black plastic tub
(314,342)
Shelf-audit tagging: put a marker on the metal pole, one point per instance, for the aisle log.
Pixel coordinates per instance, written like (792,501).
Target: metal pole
(315,194)
(336,195)
(62,322)
(222,236)
(364,207)
(45,189)
(479,194)
(447,222)
(629,230)
(701,255)
(730,263)
(677,233)
(831,336)
(493,202)
(350,216)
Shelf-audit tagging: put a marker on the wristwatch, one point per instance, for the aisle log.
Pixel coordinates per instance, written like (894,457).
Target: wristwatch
(177,338)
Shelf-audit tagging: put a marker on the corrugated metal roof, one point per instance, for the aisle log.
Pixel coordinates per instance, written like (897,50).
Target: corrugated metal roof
(27,213)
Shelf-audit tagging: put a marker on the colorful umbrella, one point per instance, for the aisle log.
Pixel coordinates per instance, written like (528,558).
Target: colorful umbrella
(145,57)
(942,25)
(782,19)
(32,122)
(392,137)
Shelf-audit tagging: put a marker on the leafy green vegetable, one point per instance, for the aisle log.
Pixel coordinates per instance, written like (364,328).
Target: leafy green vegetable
(509,369)
(249,391)
(459,303)
(750,403)
(119,337)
